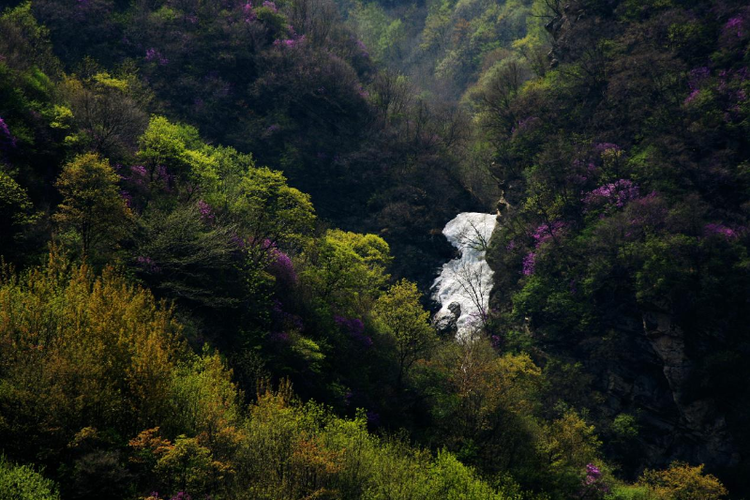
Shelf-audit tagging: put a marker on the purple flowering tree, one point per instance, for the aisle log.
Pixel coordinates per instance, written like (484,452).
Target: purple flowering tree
(355,329)
(6,138)
(716,229)
(593,486)
(529,264)
(611,196)
(207,213)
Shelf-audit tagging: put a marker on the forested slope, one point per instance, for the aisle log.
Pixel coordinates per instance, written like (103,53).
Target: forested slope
(218,222)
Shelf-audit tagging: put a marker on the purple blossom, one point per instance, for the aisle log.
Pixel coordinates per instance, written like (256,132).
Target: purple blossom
(181,496)
(127,197)
(716,229)
(147,264)
(249,13)
(363,48)
(355,328)
(593,471)
(289,42)
(593,486)
(284,321)
(618,193)
(6,138)
(280,337)
(524,124)
(546,232)
(282,267)
(734,26)
(691,97)
(496,341)
(238,241)
(155,56)
(696,78)
(207,213)
(270,5)
(163,174)
(578,179)
(601,147)
(529,264)
(138,172)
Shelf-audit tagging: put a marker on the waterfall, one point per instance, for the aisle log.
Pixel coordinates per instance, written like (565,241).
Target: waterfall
(466,281)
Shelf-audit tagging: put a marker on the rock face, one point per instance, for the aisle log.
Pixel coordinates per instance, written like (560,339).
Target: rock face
(698,419)
(645,369)
(447,323)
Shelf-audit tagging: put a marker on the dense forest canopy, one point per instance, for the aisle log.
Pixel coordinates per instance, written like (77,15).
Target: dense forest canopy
(220,221)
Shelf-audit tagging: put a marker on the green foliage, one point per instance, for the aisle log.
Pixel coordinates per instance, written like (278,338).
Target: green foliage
(401,317)
(184,258)
(79,351)
(89,363)
(682,482)
(107,111)
(625,426)
(383,36)
(25,41)
(347,270)
(189,466)
(16,210)
(303,450)
(20,482)
(629,492)
(274,212)
(176,149)
(92,208)
(204,398)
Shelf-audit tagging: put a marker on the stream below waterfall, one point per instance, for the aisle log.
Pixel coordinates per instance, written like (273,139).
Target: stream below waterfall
(466,281)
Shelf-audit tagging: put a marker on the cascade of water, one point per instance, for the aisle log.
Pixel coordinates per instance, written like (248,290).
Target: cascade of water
(466,281)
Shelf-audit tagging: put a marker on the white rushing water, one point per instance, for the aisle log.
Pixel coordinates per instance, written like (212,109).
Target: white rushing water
(466,280)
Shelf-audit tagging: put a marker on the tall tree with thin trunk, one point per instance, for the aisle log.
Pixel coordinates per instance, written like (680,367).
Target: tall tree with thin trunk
(92,206)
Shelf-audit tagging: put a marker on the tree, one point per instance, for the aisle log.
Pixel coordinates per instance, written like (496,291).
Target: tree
(108,110)
(401,316)
(183,256)
(347,270)
(683,482)
(92,206)
(15,210)
(78,351)
(20,482)
(272,212)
